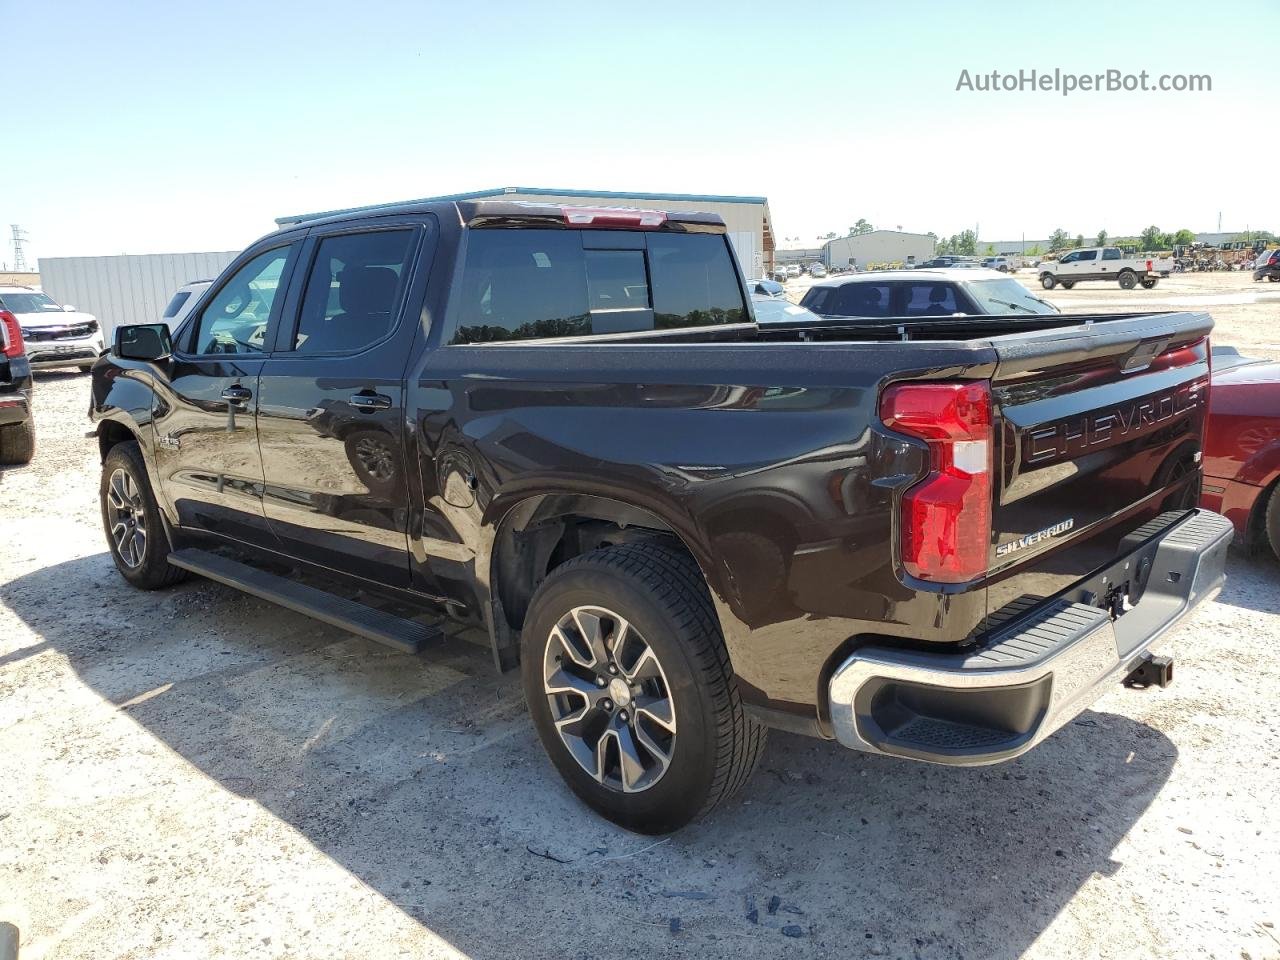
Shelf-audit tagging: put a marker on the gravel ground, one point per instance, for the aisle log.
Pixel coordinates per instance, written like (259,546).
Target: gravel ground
(194,773)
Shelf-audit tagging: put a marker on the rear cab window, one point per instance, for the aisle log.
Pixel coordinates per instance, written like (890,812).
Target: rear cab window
(537,283)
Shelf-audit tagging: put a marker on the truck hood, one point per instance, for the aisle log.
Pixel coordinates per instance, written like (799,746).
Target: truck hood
(52,318)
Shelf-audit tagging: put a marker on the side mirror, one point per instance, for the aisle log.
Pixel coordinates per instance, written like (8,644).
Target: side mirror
(143,341)
(68,308)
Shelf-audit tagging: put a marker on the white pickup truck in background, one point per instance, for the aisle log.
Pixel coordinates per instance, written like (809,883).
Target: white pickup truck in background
(1103,263)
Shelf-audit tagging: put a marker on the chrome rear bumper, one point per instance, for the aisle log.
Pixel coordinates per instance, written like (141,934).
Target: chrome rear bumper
(1036,673)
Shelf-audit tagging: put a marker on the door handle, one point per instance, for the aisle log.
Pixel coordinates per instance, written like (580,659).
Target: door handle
(237,394)
(368,402)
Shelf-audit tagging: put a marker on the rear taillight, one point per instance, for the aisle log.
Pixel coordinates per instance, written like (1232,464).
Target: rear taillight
(945,521)
(624,217)
(1149,266)
(10,335)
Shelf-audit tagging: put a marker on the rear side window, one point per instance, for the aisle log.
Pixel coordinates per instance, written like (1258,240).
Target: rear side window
(861,300)
(1111,253)
(522,285)
(179,298)
(353,291)
(930,300)
(534,284)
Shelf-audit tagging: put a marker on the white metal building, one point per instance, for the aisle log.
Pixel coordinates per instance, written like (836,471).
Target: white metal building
(878,247)
(746,218)
(126,289)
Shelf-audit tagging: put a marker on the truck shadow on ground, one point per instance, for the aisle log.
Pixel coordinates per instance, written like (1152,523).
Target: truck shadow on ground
(422,777)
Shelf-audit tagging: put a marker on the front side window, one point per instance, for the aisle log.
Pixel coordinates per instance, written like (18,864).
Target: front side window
(930,300)
(354,290)
(1087,255)
(235,320)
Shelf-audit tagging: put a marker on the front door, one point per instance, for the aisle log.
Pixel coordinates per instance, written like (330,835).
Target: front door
(206,443)
(331,417)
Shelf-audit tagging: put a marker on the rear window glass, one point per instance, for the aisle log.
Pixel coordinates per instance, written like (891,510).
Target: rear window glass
(179,298)
(533,284)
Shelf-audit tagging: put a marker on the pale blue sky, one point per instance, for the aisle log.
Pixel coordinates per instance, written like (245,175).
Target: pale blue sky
(160,126)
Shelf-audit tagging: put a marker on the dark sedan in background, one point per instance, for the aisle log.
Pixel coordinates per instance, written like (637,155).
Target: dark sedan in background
(923,293)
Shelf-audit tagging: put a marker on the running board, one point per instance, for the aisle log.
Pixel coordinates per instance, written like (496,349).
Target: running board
(405,635)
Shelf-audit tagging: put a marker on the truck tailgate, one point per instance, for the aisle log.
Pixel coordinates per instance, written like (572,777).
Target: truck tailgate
(1098,431)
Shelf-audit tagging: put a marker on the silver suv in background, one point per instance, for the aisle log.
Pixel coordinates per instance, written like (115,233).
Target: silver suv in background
(182,302)
(54,335)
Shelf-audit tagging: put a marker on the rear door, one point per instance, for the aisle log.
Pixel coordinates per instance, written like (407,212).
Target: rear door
(1097,433)
(206,442)
(1110,262)
(331,404)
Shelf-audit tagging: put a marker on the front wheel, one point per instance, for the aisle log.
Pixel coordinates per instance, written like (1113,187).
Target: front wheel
(1048,281)
(630,689)
(131,519)
(1068,284)
(1127,280)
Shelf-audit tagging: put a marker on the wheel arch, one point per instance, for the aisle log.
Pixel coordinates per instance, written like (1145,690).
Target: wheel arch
(528,537)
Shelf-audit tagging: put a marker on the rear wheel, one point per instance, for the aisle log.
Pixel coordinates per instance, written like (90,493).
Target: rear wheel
(1149,282)
(17,443)
(1128,280)
(131,519)
(630,689)
(1048,280)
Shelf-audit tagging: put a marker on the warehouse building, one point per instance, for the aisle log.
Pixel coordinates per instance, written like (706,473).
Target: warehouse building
(878,247)
(746,218)
(126,289)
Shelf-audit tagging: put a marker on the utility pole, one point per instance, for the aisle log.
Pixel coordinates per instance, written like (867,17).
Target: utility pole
(19,259)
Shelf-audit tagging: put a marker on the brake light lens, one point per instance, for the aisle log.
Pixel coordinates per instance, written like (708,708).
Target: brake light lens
(945,521)
(10,335)
(623,217)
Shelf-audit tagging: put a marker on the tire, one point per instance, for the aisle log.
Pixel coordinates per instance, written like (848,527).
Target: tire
(1272,521)
(1273,277)
(86,367)
(1127,280)
(1148,283)
(152,569)
(17,443)
(1068,284)
(1048,281)
(712,745)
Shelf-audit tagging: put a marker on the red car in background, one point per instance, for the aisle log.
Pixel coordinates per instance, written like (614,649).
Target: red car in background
(1242,447)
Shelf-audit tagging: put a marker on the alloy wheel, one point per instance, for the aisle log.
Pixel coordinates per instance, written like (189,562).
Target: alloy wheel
(609,697)
(126,518)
